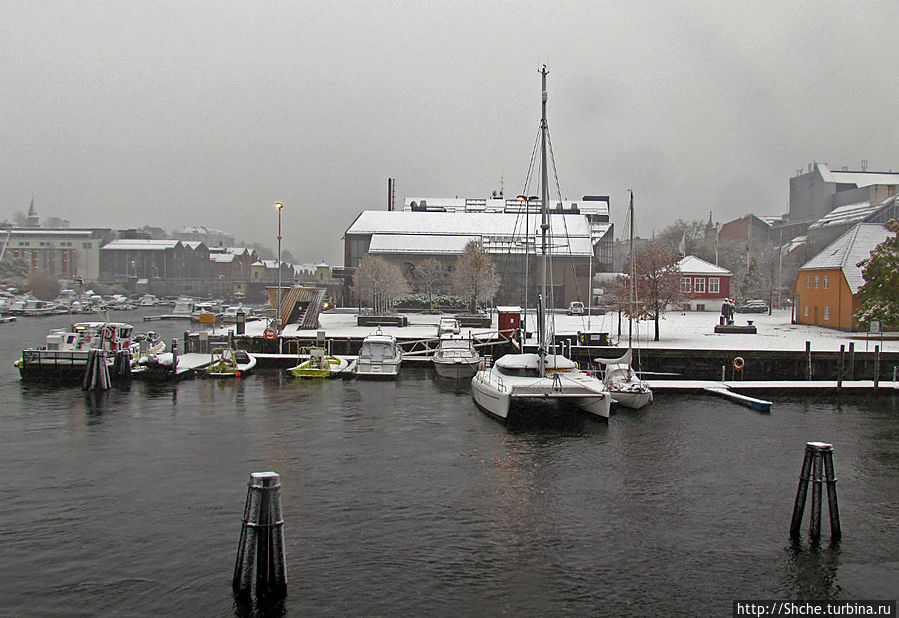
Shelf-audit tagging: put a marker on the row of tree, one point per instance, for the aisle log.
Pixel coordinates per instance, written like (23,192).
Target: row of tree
(380,283)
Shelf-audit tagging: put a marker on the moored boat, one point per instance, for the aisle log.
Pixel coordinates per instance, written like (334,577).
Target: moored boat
(456,357)
(230,363)
(64,355)
(528,378)
(379,357)
(319,365)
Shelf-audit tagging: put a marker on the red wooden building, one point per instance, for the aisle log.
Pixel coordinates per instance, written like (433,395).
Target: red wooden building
(704,285)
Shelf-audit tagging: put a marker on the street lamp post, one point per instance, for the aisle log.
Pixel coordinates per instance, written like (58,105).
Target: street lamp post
(279,206)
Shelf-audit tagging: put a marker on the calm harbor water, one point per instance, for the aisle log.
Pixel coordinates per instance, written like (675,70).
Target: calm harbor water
(403,498)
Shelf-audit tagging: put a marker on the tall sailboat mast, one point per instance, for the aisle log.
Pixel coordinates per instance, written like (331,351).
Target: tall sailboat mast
(632,300)
(544,226)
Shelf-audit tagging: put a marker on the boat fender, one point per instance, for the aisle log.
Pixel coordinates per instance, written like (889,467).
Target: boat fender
(269,333)
(739,363)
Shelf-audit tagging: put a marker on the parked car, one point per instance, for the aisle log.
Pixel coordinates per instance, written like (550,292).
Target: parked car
(576,308)
(753,306)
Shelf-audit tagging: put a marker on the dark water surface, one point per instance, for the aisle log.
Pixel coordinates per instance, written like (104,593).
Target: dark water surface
(403,498)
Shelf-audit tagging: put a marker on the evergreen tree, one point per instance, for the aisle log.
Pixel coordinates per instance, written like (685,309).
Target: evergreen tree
(879,295)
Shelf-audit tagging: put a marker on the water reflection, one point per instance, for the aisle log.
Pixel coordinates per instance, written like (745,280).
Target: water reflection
(812,570)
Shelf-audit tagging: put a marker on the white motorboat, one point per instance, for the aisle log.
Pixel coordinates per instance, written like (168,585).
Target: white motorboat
(379,356)
(542,377)
(456,357)
(65,353)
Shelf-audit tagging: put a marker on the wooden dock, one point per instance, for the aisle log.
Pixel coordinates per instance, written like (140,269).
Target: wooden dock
(736,390)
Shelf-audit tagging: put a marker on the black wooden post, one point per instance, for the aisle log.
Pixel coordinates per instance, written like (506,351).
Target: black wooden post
(817,467)
(814,528)
(801,491)
(808,355)
(876,366)
(851,360)
(831,480)
(840,370)
(262,540)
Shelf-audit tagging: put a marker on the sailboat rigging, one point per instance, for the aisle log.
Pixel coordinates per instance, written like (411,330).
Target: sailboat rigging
(619,375)
(527,378)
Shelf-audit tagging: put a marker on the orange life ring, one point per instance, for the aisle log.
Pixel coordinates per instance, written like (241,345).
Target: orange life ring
(739,363)
(269,333)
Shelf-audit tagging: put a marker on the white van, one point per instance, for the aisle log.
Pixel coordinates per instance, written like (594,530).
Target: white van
(576,307)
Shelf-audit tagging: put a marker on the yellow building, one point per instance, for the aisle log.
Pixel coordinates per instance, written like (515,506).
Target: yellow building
(825,292)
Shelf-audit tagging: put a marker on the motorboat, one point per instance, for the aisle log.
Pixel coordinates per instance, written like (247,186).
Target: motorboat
(65,353)
(528,379)
(379,356)
(320,364)
(183,307)
(230,363)
(456,357)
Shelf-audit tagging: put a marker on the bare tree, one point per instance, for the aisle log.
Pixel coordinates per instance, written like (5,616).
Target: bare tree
(430,279)
(658,282)
(475,278)
(379,281)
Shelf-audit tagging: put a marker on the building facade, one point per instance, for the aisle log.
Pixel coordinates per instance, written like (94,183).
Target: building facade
(704,285)
(825,291)
(66,253)
(511,237)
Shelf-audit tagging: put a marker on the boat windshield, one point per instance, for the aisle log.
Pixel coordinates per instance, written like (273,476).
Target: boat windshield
(376,350)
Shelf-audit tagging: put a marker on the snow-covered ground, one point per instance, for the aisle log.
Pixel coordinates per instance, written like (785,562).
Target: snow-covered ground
(677,330)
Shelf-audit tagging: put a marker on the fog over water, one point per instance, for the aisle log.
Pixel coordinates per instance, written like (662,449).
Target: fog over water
(187,113)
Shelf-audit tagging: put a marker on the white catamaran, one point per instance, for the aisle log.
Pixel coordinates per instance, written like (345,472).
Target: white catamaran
(527,378)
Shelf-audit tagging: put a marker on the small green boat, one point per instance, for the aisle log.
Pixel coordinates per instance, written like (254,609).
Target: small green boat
(319,365)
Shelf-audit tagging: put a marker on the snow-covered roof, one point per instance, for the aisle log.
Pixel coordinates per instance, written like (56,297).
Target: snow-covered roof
(39,231)
(200,229)
(418,243)
(850,213)
(859,179)
(501,204)
(193,244)
(848,250)
(141,244)
(692,265)
(222,258)
(447,232)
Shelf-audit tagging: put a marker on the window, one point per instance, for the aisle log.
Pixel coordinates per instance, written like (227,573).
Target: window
(808,281)
(685,285)
(713,285)
(699,285)
(827,312)
(805,311)
(826,284)
(87,245)
(816,282)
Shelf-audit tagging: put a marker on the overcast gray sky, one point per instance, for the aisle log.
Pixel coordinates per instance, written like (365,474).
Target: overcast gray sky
(124,114)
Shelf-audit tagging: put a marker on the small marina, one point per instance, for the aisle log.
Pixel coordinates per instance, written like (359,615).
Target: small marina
(391,487)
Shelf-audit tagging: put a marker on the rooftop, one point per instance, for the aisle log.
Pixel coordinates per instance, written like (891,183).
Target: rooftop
(848,250)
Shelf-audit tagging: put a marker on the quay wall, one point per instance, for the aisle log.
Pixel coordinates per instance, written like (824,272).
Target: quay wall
(658,363)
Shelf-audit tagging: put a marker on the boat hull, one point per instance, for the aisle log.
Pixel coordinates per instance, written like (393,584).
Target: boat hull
(384,371)
(633,400)
(456,370)
(498,397)
(489,395)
